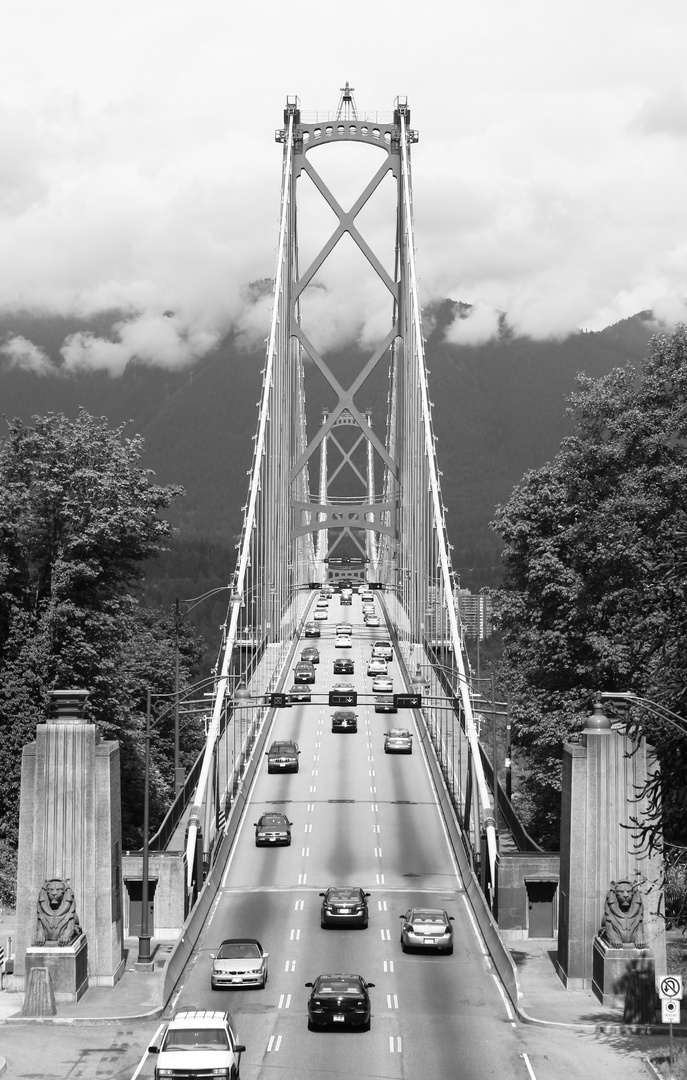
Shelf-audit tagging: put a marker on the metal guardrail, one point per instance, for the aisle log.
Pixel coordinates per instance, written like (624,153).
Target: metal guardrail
(504,806)
(170,823)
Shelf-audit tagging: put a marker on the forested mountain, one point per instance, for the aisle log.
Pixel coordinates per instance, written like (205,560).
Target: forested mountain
(499,410)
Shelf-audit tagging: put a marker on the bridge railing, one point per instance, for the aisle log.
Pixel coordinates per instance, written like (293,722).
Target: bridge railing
(160,841)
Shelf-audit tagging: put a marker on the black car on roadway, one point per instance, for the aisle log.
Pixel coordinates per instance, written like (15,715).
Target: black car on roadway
(282,756)
(304,671)
(344,905)
(300,692)
(339,1000)
(344,720)
(311,629)
(344,666)
(271,829)
(310,654)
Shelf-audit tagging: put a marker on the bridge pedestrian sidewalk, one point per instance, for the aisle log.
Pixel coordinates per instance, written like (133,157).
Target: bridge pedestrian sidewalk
(137,996)
(545,1001)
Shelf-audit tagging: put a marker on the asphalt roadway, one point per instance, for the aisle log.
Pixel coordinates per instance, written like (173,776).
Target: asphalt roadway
(361,817)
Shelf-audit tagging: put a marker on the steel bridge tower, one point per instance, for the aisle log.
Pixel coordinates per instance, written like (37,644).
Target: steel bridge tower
(377,501)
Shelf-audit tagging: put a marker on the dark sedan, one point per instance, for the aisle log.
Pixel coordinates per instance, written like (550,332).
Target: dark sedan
(299,692)
(344,720)
(343,905)
(339,1000)
(344,666)
(272,829)
(310,654)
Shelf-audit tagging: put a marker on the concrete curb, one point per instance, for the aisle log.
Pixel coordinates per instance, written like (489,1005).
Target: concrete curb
(609,1027)
(84,1021)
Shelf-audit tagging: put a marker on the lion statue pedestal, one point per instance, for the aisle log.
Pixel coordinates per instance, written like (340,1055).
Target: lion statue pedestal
(623,967)
(59,948)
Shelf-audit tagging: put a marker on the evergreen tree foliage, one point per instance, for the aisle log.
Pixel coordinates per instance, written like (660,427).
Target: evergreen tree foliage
(78,519)
(595,593)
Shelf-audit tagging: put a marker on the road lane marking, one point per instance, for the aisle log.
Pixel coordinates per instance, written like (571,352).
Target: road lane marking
(392,1001)
(380,879)
(388,966)
(378,853)
(313,789)
(374,807)
(295,934)
(506,1002)
(386,935)
(274,1043)
(284,1001)
(373,790)
(381,905)
(310,807)
(302,878)
(299,905)
(376,828)
(308,827)
(290,965)
(395,1045)
(529,1067)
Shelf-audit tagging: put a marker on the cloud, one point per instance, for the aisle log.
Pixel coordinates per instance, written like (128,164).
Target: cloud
(473,326)
(664,113)
(158,340)
(22,353)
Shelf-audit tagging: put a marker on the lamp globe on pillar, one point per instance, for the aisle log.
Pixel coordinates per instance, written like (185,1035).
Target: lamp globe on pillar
(597,721)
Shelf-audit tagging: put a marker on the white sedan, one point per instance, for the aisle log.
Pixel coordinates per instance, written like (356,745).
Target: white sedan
(342,642)
(383,684)
(377,667)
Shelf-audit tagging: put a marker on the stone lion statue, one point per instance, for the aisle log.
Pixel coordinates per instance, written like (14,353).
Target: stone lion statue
(57,922)
(623,919)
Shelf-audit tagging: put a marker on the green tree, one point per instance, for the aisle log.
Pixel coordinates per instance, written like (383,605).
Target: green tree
(594,591)
(78,519)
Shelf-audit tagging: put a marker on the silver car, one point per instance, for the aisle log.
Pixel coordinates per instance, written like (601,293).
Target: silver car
(239,962)
(427,928)
(398,741)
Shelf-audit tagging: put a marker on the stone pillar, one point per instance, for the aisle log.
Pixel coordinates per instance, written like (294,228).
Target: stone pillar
(70,828)
(603,777)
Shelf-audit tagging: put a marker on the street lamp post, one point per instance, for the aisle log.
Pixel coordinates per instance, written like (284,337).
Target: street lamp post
(144,962)
(194,601)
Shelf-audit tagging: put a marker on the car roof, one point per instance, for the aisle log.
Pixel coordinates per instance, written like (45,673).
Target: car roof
(398,731)
(283,742)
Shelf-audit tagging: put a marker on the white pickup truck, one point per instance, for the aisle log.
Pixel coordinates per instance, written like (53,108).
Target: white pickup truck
(197,1044)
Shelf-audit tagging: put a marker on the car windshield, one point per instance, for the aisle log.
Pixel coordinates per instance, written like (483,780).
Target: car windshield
(239,950)
(282,748)
(273,819)
(194,1038)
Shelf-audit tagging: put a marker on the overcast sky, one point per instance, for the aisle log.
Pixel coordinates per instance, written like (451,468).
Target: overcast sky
(139,169)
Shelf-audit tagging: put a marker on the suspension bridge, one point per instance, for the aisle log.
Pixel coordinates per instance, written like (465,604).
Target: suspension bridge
(332,498)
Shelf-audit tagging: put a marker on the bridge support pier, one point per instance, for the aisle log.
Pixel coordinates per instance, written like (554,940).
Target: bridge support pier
(70,830)
(603,778)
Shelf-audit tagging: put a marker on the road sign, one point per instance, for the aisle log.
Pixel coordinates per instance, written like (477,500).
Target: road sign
(669,987)
(337,697)
(670,1011)
(407,701)
(280,701)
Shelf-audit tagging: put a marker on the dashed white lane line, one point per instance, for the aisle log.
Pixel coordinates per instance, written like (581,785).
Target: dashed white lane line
(386,935)
(381,905)
(284,1001)
(378,853)
(290,965)
(305,852)
(388,966)
(529,1067)
(295,935)
(395,1044)
(392,1001)
(380,879)
(302,879)
(299,905)
(274,1043)
(506,1002)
